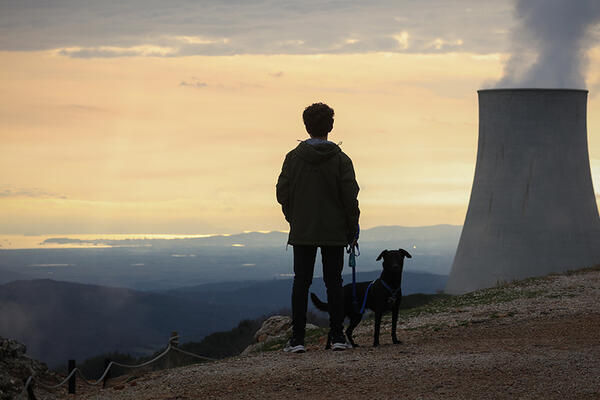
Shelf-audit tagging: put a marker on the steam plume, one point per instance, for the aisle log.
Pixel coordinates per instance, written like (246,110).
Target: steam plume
(549,43)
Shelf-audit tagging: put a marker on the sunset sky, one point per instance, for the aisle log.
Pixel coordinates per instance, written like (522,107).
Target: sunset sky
(175,117)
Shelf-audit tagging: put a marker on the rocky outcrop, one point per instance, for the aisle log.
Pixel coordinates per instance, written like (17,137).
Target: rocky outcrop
(275,329)
(274,326)
(16,367)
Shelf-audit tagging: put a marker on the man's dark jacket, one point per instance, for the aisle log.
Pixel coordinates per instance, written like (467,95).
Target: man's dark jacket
(318,192)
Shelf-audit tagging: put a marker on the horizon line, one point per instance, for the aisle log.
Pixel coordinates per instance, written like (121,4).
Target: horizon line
(206,235)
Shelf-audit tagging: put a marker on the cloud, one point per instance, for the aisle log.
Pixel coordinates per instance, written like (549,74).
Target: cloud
(114,51)
(31,193)
(200,40)
(402,40)
(443,44)
(549,43)
(194,83)
(113,28)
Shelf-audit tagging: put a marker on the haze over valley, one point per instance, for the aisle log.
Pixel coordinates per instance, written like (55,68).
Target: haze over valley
(160,264)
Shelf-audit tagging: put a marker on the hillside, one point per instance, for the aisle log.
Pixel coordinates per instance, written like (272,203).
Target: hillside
(61,320)
(538,338)
(275,294)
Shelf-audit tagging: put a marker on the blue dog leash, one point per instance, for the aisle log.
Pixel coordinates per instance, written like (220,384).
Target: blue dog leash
(352,264)
(364,303)
(354,251)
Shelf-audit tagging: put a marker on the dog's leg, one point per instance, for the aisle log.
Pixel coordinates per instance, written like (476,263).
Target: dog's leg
(394,323)
(378,315)
(354,321)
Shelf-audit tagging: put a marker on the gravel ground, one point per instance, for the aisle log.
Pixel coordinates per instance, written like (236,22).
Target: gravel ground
(535,339)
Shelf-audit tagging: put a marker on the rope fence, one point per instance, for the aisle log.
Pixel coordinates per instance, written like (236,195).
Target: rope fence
(73,371)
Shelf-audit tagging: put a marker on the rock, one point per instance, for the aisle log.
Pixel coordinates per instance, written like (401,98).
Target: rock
(262,338)
(16,367)
(275,328)
(11,348)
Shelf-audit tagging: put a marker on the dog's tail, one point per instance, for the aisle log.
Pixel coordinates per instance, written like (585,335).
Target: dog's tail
(318,303)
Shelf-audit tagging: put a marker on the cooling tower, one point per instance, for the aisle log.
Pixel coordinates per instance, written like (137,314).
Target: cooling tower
(532,209)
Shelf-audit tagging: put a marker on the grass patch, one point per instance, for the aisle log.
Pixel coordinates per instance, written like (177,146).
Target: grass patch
(273,345)
(581,271)
(420,304)
(415,305)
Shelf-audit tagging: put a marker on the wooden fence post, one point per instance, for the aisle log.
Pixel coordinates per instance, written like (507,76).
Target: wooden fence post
(70,369)
(174,340)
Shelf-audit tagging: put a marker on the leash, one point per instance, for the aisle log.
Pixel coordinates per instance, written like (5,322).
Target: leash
(354,251)
(352,264)
(364,303)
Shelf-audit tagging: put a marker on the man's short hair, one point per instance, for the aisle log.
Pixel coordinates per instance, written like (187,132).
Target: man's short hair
(318,119)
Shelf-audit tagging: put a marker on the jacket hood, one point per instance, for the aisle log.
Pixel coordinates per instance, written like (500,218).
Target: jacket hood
(317,153)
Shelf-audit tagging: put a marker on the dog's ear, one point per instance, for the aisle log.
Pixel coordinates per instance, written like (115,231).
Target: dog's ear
(405,253)
(383,253)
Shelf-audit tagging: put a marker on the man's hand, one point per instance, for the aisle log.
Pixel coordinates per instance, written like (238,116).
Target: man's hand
(353,240)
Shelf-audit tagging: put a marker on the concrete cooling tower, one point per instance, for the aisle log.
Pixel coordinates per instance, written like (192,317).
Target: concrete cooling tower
(532,209)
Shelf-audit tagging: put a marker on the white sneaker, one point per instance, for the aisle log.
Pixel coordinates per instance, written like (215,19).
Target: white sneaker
(339,343)
(340,346)
(294,346)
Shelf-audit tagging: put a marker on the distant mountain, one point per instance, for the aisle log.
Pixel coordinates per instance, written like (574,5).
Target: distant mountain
(427,237)
(7,275)
(433,236)
(259,239)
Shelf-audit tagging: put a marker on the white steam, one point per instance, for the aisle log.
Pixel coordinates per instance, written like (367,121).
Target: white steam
(550,42)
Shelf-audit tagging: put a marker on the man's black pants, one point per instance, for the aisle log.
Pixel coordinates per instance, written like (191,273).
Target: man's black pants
(304,265)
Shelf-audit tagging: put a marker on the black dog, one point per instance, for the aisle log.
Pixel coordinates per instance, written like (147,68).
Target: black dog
(384,294)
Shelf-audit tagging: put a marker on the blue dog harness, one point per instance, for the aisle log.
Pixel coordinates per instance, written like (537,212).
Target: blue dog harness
(393,293)
(391,299)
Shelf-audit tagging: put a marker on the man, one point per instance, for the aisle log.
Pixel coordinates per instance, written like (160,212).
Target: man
(318,192)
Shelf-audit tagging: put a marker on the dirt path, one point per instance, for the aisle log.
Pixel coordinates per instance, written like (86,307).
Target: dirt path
(543,346)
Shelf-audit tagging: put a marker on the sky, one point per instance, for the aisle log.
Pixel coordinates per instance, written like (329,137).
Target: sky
(174,117)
